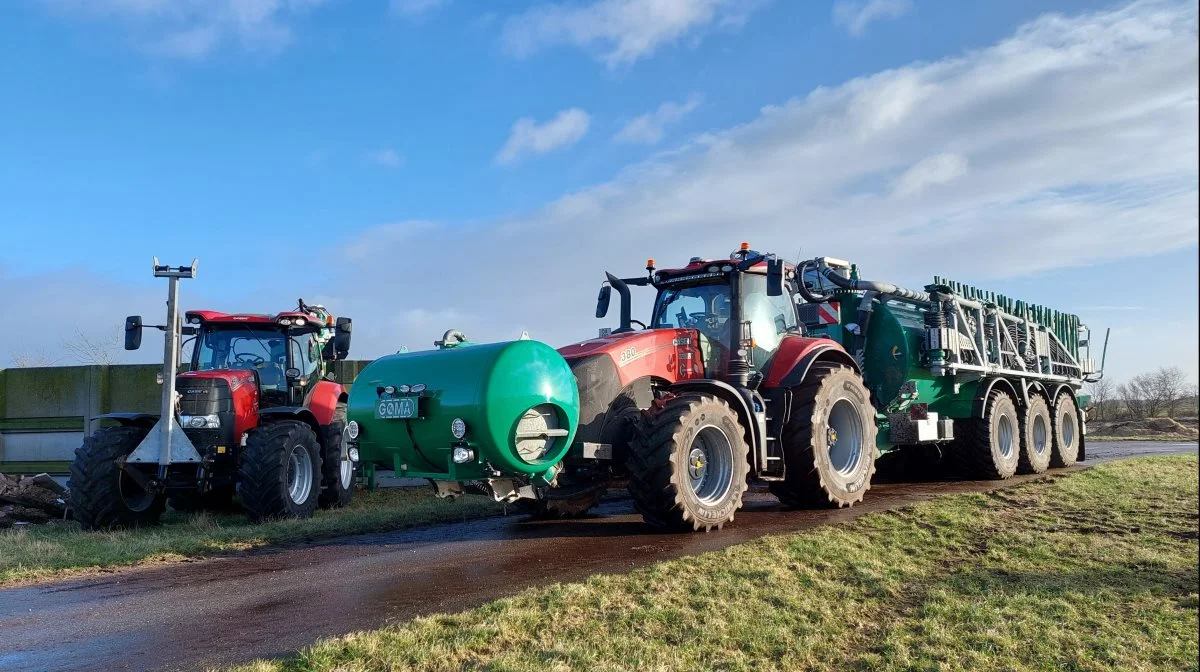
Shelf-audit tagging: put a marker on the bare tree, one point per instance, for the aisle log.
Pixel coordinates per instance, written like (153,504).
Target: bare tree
(94,349)
(1149,395)
(1102,392)
(25,359)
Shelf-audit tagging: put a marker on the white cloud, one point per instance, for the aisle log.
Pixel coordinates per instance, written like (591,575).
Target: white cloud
(649,128)
(388,158)
(618,31)
(1080,134)
(856,14)
(415,8)
(191,29)
(932,171)
(530,137)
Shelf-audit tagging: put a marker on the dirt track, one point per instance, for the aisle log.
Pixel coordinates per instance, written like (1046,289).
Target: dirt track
(269,604)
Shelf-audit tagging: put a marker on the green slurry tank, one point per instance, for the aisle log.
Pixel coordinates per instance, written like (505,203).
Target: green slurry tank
(466,412)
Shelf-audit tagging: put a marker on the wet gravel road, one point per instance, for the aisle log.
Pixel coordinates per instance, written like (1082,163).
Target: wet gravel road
(193,615)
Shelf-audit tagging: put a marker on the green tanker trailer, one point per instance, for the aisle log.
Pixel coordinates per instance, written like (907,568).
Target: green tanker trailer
(750,367)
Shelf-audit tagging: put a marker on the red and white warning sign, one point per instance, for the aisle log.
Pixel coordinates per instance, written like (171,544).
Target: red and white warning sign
(828,313)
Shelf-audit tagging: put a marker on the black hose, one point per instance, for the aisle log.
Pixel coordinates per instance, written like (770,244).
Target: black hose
(801,287)
(867,285)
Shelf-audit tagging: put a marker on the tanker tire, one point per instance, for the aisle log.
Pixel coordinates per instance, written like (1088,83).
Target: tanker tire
(216,501)
(1068,439)
(1035,436)
(265,485)
(563,508)
(335,493)
(811,477)
(981,451)
(97,483)
(662,480)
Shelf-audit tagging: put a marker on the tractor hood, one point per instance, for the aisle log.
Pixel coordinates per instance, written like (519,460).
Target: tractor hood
(667,354)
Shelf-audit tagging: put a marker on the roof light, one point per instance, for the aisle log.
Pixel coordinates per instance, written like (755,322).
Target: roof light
(284,321)
(745,247)
(299,321)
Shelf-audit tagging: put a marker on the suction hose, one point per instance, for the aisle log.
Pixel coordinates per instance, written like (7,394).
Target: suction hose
(870,286)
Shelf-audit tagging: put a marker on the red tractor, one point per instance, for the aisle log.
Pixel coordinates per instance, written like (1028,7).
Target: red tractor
(256,414)
(721,385)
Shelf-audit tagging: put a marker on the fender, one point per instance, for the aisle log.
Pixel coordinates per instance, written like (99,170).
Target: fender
(790,366)
(322,400)
(300,413)
(985,390)
(130,419)
(740,406)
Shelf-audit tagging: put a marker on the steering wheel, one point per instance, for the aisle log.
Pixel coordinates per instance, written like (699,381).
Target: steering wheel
(703,320)
(249,358)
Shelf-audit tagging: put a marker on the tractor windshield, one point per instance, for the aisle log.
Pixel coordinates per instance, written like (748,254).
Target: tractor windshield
(261,350)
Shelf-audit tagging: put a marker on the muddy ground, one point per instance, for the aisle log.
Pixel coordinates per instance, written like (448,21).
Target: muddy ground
(267,604)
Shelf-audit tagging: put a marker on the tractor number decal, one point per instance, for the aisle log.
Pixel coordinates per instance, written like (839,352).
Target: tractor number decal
(630,355)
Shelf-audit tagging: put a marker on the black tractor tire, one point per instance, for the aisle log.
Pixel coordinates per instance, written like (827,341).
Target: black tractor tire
(831,405)
(216,501)
(670,459)
(990,446)
(566,505)
(103,497)
(1035,436)
(335,491)
(1067,446)
(274,469)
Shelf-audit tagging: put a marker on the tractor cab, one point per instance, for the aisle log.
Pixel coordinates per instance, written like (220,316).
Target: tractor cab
(286,352)
(741,307)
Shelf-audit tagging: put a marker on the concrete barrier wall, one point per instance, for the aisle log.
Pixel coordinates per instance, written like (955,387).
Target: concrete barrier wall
(45,412)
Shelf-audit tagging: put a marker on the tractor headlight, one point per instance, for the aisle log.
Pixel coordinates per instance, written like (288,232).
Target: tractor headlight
(458,427)
(462,454)
(352,430)
(212,421)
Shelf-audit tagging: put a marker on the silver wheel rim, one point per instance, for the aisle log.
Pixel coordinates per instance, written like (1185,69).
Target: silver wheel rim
(1041,434)
(844,436)
(1005,435)
(710,465)
(1068,431)
(346,471)
(300,474)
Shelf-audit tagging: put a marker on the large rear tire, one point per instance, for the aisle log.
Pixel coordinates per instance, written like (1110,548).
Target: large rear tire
(1068,437)
(687,464)
(337,470)
(828,442)
(990,446)
(1035,436)
(103,496)
(281,472)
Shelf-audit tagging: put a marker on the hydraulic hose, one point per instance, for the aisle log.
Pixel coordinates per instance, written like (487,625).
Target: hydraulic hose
(870,286)
(809,295)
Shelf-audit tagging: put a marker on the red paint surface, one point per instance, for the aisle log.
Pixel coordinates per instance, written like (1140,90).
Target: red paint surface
(791,350)
(655,352)
(213,316)
(244,392)
(322,400)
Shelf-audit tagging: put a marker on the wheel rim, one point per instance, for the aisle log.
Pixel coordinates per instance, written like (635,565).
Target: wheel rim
(844,436)
(346,471)
(1005,435)
(300,474)
(710,464)
(1068,430)
(135,496)
(1041,435)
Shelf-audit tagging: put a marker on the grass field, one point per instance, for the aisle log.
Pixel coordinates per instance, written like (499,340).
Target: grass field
(1091,571)
(62,549)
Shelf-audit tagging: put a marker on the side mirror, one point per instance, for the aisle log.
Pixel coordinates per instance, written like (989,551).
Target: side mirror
(602,300)
(775,277)
(133,332)
(341,337)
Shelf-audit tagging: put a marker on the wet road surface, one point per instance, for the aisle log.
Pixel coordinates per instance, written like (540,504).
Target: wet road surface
(222,611)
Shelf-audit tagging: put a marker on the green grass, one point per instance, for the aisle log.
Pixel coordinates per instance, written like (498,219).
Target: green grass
(62,549)
(1090,571)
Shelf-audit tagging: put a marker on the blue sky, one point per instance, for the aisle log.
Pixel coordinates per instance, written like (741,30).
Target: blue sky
(426,164)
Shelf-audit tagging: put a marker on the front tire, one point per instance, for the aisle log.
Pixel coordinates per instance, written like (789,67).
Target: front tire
(990,447)
(280,472)
(103,496)
(1035,436)
(337,471)
(1066,428)
(688,464)
(828,442)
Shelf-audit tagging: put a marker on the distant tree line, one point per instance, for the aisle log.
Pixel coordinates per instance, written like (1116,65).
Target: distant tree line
(1164,392)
